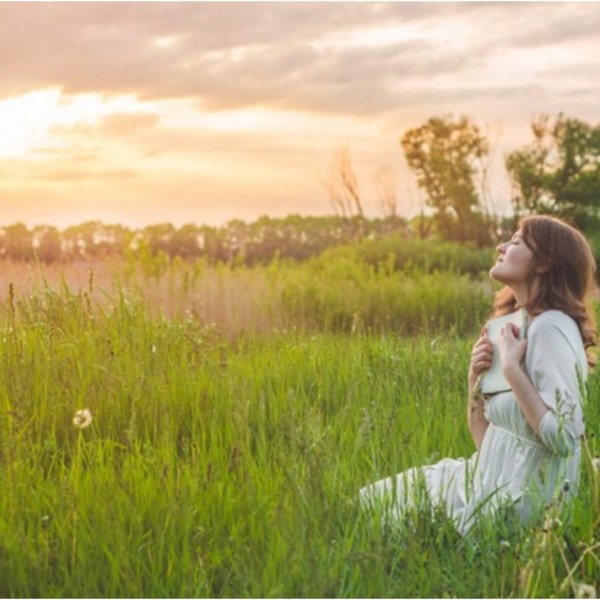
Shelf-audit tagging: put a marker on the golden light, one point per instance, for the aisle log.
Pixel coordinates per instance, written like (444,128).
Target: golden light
(25,121)
(41,119)
(166,41)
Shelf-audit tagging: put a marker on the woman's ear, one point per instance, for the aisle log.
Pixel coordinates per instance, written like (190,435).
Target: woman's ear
(543,267)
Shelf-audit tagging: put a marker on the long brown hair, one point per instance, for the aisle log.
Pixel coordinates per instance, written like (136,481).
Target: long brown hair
(565,269)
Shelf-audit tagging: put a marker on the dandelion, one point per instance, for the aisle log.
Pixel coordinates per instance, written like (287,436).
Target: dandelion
(584,590)
(596,463)
(82,418)
(552,523)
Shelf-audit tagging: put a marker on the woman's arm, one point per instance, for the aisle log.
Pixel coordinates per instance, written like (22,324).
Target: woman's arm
(548,395)
(530,402)
(478,424)
(512,352)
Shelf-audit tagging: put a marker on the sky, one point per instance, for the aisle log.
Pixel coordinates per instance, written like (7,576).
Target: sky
(197,112)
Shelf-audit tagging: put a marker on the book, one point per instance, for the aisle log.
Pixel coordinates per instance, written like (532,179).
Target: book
(493,381)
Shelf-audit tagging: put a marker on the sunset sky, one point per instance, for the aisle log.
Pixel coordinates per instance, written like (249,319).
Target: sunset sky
(144,113)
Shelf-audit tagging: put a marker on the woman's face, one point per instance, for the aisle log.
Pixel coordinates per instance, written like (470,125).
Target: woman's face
(514,263)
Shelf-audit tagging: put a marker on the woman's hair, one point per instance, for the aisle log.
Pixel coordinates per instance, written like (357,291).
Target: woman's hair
(565,269)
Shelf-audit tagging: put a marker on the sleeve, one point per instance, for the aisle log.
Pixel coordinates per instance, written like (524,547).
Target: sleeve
(555,369)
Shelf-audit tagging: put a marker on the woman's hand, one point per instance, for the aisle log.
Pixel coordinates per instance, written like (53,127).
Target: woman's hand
(511,348)
(481,359)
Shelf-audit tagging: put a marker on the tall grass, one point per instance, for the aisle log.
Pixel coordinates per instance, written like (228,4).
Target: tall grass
(229,466)
(340,292)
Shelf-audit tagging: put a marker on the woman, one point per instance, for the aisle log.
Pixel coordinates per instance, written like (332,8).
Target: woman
(527,438)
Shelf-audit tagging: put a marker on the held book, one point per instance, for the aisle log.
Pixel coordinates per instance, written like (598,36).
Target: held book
(493,381)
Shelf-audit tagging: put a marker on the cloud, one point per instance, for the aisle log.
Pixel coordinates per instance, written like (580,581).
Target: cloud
(556,25)
(127,123)
(217,109)
(271,54)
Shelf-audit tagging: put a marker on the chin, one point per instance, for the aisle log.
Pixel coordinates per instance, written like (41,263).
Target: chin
(495,275)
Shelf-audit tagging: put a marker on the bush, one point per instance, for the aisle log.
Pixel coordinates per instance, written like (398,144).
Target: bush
(339,292)
(399,254)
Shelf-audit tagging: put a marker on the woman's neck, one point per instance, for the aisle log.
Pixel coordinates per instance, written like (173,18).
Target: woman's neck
(523,292)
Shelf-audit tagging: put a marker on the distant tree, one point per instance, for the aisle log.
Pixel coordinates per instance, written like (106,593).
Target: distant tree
(445,154)
(266,239)
(112,239)
(48,243)
(185,241)
(158,238)
(422,225)
(18,242)
(80,240)
(213,243)
(341,184)
(559,172)
(237,236)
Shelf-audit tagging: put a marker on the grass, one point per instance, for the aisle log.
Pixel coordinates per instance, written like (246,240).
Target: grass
(229,465)
(337,292)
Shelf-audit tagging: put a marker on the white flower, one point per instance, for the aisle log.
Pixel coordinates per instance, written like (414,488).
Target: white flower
(584,590)
(82,418)
(552,523)
(596,463)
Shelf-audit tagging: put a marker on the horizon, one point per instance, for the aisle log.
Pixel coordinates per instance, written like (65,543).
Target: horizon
(140,114)
(250,221)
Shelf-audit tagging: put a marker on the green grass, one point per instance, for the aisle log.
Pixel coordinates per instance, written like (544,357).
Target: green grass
(228,466)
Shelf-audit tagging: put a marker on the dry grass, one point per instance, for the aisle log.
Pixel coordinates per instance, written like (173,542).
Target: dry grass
(325,294)
(233,298)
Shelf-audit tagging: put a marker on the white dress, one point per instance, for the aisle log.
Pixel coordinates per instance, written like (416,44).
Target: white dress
(513,464)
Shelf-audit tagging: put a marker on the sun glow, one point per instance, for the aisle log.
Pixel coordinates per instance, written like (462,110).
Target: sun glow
(166,41)
(25,121)
(31,121)
(48,119)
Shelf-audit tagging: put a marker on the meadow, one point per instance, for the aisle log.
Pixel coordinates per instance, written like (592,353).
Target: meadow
(235,414)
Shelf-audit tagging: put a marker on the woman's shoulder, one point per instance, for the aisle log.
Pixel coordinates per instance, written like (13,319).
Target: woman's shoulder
(554,319)
(554,327)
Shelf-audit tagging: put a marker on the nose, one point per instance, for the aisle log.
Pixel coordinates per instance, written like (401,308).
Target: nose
(502,247)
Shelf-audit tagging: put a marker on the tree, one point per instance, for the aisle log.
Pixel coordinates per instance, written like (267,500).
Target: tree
(185,242)
(559,172)
(48,242)
(18,242)
(342,184)
(158,238)
(446,155)
(111,239)
(80,240)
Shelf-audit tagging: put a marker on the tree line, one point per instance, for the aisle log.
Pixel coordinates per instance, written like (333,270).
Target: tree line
(237,242)
(557,173)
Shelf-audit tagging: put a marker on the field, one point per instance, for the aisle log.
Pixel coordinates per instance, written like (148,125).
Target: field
(236,413)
